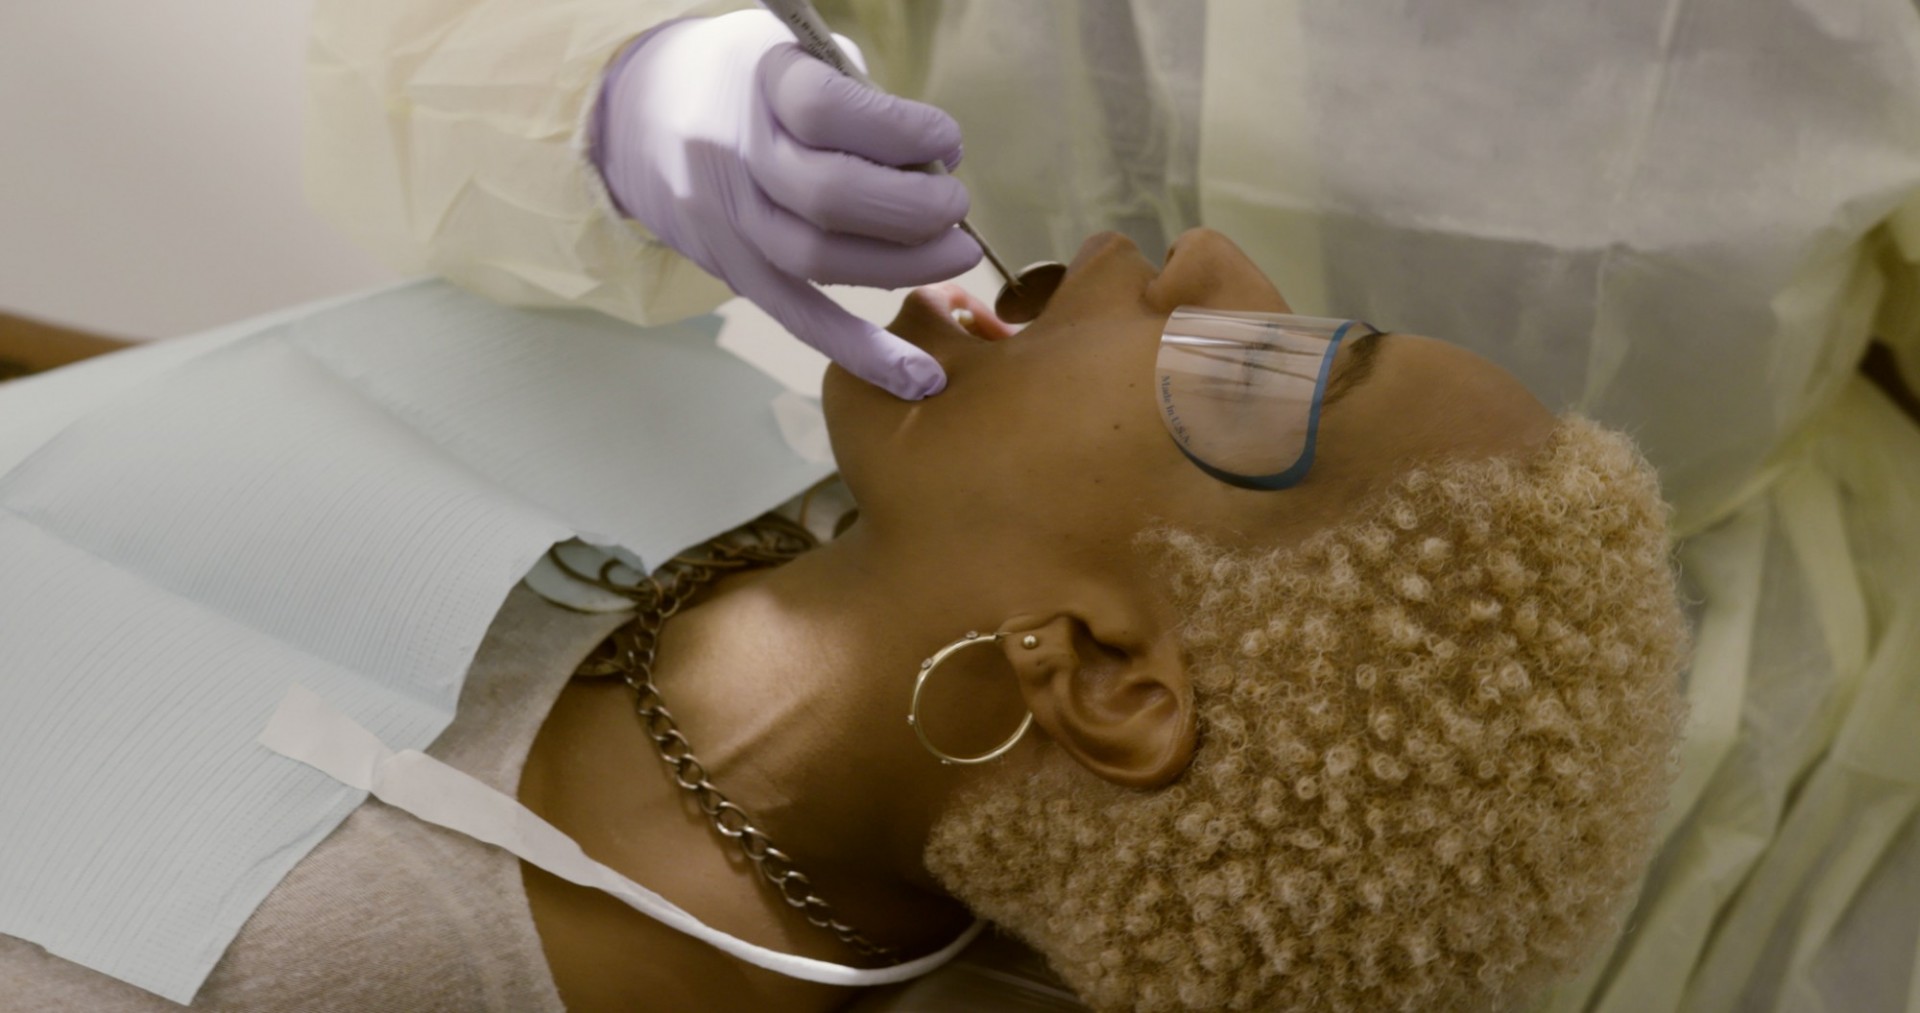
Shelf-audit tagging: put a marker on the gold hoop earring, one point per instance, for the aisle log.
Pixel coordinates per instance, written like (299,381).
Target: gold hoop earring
(913,710)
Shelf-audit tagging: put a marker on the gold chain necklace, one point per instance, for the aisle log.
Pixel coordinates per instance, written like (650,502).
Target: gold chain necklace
(629,653)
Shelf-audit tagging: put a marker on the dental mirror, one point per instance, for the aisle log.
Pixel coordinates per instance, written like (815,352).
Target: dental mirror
(1024,296)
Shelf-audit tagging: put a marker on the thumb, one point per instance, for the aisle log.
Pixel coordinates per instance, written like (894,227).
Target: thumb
(858,346)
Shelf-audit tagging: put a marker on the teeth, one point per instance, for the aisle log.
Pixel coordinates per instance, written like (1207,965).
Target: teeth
(963,317)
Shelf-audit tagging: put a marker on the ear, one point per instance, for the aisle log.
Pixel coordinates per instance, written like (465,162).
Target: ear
(1121,705)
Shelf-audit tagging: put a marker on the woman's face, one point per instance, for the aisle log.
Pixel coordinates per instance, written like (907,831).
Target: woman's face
(1050,440)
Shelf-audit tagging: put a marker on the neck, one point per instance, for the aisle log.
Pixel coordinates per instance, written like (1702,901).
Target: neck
(792,684)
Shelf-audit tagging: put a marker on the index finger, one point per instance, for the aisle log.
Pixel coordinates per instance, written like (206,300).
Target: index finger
(823,108)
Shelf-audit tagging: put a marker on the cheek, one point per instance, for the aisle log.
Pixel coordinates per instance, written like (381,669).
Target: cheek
(1098,474)
(940,465)
(1090,428)
(1036,441)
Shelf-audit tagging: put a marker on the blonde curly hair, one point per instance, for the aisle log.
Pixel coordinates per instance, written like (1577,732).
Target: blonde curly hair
(1434,740)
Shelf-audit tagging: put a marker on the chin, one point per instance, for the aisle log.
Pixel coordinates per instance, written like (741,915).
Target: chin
(855,413)
(840,395)
(877,444)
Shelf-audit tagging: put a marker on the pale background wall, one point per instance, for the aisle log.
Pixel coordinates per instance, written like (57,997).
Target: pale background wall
(150,165)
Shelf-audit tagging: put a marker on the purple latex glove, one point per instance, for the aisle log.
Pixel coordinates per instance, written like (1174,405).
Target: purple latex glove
(771,171)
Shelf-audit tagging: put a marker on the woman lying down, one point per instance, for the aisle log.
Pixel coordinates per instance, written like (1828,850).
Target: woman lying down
(1231,660)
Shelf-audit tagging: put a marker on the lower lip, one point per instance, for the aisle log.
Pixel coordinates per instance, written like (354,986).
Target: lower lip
(941,337)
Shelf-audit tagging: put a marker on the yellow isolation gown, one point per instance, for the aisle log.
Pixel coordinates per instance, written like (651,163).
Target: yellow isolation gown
(1684,217)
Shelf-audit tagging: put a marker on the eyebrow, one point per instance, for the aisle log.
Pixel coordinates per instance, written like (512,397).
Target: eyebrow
(1353,370)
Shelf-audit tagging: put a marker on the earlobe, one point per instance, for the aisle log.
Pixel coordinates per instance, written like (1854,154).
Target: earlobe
(1124,713)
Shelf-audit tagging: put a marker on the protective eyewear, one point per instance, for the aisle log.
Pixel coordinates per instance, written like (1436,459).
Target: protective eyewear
(1241,392)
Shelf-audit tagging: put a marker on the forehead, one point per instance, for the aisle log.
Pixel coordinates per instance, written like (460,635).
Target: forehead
(1412,398)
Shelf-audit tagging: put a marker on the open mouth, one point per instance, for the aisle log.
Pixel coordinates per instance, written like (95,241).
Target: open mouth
(949,323)
(969,313)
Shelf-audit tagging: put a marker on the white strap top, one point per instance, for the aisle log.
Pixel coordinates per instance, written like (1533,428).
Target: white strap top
(308,729)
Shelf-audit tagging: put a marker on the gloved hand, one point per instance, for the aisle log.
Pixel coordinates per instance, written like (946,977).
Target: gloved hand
(771,170)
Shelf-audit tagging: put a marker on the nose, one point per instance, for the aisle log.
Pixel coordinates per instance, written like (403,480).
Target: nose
(1106,265)
(1205,268)
(1101,246)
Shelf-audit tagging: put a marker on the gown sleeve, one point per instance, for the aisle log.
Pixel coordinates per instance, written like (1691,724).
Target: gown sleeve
(448,137)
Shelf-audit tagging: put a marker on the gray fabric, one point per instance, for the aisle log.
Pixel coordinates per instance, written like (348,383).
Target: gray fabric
(389,913)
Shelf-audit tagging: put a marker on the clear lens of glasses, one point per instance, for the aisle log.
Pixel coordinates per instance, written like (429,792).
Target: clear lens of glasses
(1240,392)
